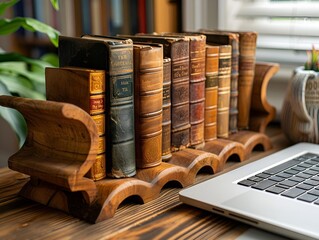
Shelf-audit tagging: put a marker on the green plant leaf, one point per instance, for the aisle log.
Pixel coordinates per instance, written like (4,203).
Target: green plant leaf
(20,68)
(15,57)
(55,4)
(7,4)
(13,117)
(8,26)
(51,58)
(20,86)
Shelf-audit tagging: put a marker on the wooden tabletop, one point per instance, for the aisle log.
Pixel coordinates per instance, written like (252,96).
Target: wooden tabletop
(163,218)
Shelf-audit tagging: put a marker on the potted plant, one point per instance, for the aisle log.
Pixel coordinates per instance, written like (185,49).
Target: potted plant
(300,111)
(312,62)
(19,75)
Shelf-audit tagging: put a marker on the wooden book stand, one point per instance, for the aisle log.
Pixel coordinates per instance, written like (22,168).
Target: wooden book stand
(61,147)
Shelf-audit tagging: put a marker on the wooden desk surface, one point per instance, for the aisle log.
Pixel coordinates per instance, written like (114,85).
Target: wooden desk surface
(163,218)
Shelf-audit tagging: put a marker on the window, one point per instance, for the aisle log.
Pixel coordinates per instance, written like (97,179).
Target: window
(286,28)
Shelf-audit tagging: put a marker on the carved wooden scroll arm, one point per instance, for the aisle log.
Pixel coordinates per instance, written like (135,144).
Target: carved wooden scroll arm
(61,144)
(261,112)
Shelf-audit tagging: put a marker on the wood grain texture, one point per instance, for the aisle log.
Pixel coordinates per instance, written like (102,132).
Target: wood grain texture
(61,144)
(261,111)
(164,216)
(84,88)
(104,197)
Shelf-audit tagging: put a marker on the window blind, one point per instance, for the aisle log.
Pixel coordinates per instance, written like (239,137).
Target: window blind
(285,28)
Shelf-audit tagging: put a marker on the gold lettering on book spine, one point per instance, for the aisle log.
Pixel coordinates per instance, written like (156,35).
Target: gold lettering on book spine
(97,103)
(99,120)
(97,83)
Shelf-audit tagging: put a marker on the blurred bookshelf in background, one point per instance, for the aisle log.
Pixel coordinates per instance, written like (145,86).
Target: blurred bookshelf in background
(100,17)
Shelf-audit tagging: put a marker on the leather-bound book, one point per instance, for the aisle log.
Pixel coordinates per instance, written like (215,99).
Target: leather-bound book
(166,123)
(197,89)
(84,88)
(247,61)
(148,102)
(229,38)
(115,56)
(197,45)
(176,48)
(211,92)
(224,75)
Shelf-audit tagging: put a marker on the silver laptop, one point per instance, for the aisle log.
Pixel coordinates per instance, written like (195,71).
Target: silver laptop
(278,193)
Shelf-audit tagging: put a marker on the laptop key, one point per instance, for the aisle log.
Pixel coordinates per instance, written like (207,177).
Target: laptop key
(311,182)
(316,178)
(304,175)
(263,175)
(291,171)
(275,190)
(276,178)
(314,192)
(284,175)
(310,172)
(255,179)
(288,183)
(282,166)
(246,183)
(307,198)
(304,186)
(296,179)
(293,193)
(297,168)
(264,184)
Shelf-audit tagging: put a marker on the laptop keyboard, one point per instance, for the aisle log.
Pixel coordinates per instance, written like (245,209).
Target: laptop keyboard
(297,178)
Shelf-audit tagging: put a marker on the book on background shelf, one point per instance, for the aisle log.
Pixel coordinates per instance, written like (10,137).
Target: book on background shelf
(197,45)
(148,103)
(84,88)
(115,56)
(230,38)
(166,123)
(177,49)
(224,75)
(211,92)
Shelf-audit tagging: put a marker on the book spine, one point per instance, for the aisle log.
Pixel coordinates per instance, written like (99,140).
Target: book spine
(247,51)
(148,97)
(121,146)
(180,95)
(197,90)
(166,123)
(97,112)
(211,92)
(90,96)
(224,75)
(233,107)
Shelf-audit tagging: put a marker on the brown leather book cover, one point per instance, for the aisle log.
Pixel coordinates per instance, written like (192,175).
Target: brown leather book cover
(114,55)
(166,123)
(176,48)
(148,102)
(224,75)
(247,61)
(84,88)
(197,44)
(230,38)
(197,89)
(211,92)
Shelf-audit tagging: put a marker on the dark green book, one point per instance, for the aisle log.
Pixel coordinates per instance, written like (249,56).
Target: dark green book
(115,56)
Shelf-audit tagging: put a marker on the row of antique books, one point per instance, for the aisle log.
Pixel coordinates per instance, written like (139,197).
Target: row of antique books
(153,94)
